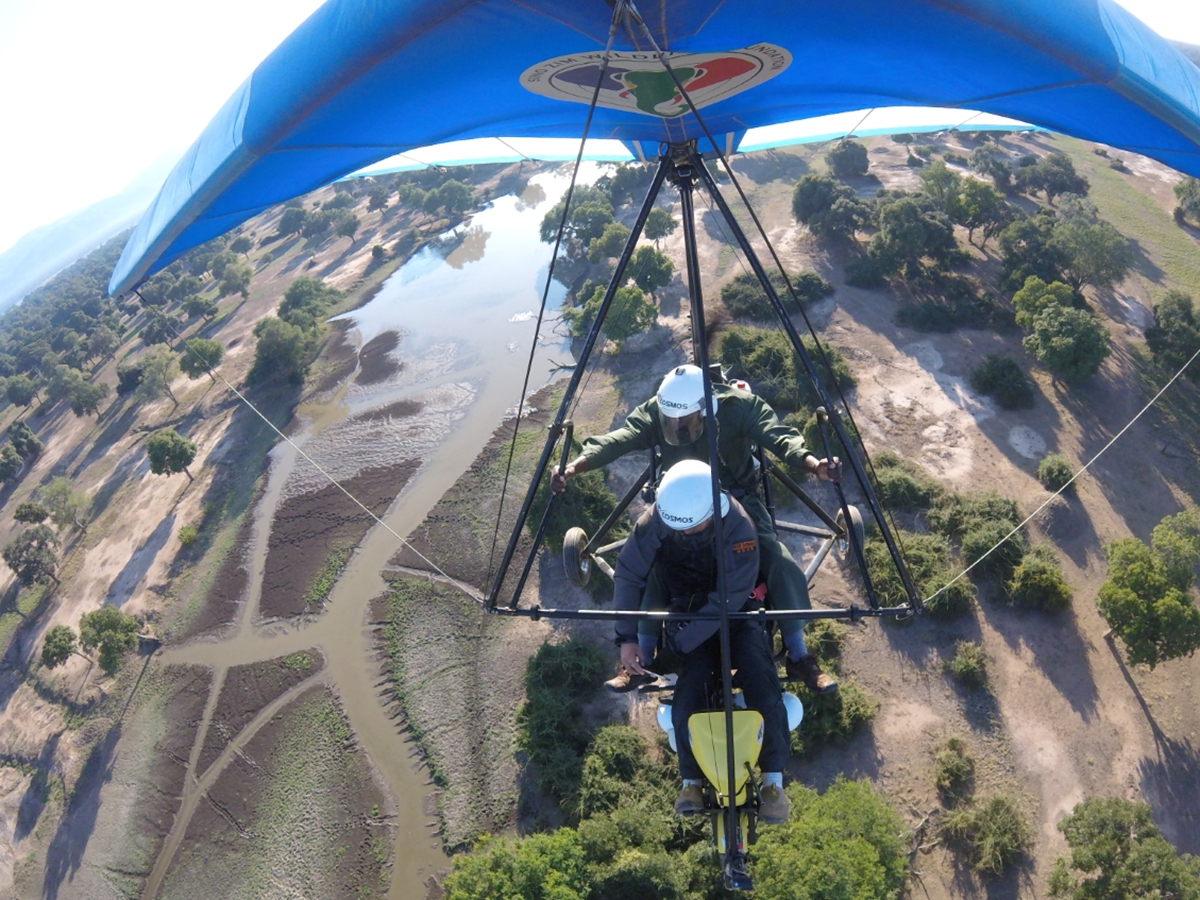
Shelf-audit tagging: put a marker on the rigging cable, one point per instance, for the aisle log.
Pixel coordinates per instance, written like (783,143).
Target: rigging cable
(1083,469)
(562,224)
(474,595)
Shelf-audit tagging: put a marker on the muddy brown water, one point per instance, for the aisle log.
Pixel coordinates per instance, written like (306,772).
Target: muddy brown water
(467,327)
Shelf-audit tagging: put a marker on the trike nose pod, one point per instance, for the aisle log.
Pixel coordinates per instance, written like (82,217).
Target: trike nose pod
(706,732)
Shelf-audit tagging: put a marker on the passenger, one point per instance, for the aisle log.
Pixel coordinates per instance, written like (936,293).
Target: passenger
(675,538)
(673,421)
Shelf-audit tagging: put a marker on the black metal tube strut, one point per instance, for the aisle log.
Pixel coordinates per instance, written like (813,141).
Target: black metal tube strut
(683,176)
(589,344)
(798,346)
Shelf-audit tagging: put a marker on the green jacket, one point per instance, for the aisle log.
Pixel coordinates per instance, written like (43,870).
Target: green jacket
(743,422)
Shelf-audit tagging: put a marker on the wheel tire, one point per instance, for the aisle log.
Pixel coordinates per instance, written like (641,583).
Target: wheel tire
(576,561)
(856,523)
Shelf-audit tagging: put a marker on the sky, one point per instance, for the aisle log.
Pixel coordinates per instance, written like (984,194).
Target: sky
(95,91)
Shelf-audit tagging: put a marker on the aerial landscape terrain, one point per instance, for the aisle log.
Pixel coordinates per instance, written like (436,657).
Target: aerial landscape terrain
(249,513)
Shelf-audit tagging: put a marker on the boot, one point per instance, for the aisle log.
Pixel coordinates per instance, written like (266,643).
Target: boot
(625,681)
(773,809)
(691,800)
(807,670)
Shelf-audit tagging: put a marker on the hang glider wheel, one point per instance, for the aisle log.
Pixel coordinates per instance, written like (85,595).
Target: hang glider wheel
(856,523)
(576,560)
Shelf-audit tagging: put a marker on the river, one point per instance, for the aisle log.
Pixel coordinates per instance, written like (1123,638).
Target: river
(466,317)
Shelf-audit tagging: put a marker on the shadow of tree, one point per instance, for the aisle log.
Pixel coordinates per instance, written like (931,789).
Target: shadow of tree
(34,799)
(772,165)
(859,757)
(1171,781)
(1057,646)
(139,563)
(113,432)
(65,854)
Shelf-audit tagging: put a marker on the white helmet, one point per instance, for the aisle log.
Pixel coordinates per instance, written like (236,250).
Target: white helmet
(681,405)
(685,495)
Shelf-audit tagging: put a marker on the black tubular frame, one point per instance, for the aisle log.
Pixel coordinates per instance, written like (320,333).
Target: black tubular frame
(684,167)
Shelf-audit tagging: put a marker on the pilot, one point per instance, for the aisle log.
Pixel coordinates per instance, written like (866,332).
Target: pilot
(674,542)
(674,421)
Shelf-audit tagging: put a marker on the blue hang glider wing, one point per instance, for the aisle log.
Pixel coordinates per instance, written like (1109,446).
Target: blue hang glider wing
(363,80)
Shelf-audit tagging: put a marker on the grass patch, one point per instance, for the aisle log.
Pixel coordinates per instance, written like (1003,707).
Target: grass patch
(327,576)
(991,833)
(953,768)
(930,563)
(901,484)
(830,718)
(968,665)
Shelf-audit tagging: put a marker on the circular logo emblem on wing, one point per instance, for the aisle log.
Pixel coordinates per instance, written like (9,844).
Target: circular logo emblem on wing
(637,82)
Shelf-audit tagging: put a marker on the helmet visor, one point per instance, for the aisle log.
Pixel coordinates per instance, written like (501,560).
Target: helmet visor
(681,431)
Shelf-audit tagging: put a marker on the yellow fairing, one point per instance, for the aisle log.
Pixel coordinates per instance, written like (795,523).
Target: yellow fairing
(707,733)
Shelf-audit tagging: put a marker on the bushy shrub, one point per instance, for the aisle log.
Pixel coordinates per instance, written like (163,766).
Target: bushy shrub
(969,664)
(953,767)
(744,296)
(765,358)
(988,547)
(830,718)
(539,867)
(864,272)
(551,731)
(188,535)
(991,833)
(1038,583)
(846,843)
(929,563)
(903,485)
(847,159)
(1002,379)
(1055,471)
(953,515)
(586,503)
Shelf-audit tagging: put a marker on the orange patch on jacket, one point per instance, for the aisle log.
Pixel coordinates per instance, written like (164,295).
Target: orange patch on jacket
(743,546)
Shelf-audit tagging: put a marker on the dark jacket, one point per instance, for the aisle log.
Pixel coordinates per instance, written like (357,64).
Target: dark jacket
(743,421)
(650,543)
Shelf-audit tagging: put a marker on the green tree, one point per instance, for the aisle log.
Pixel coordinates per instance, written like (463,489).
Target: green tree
(160,366)
(765,358)
(201,355)
(21,391)
(901,239)
(828,208)
(456,197)
(170,453)
(992,161)
(1146,598)
(610,243)
(220,263)
(1188,194)
(307,301)
(977,205)
(1174,338)
(103,342)
(242,245)
(1070,343)
(58,646)
(1035,296)
(292,221)
(942,184)
(630,313)
(651,270)
(847,159)
(236,279)
(160,328)
(583,194)
(86,398)
(11,463)
(31,555)
(377,198)
(1118,853)
(62,382)
(110,631)
(283,352)
(1026,249)
(348,227)
(31,513)
(1053,175)
(659,224)
(196,305)
(845,844)
(66,505)
(539,867)
(744,295)
(1093,253)
(24,440)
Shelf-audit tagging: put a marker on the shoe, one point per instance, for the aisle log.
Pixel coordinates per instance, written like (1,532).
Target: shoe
(807,670)
(772,809)
(691,801)
(625,681)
